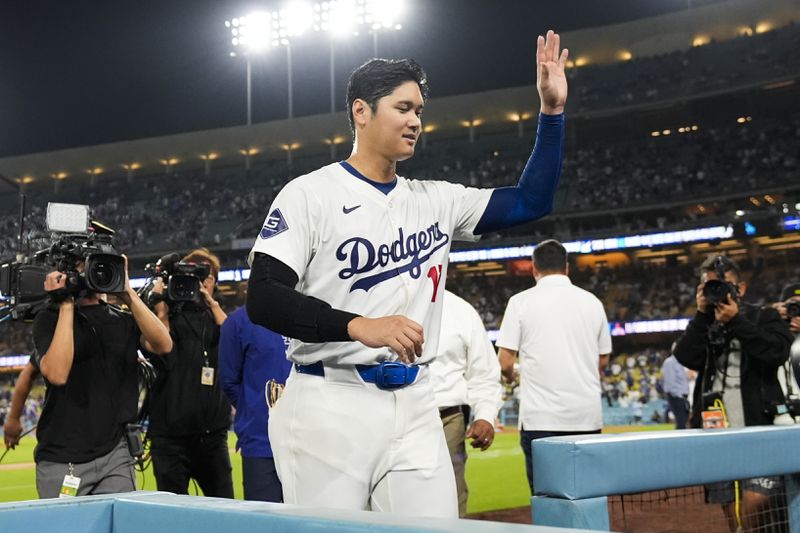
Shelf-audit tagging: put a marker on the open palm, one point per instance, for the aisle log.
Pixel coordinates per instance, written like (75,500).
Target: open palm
(551,81)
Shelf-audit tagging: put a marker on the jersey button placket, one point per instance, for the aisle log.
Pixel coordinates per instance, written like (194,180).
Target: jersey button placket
(390,206)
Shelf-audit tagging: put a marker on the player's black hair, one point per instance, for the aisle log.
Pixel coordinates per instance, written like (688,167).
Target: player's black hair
(728,265)
(550,256)
(380,77)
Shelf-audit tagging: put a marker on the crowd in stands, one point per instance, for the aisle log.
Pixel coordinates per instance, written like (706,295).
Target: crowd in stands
(714,161)
(194,210)
(629,293)
(15,338)
(715,66)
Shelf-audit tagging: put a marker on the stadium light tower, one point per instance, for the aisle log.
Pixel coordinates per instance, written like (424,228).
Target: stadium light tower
(252,35)
(338,19)
(294,20)
(257,32)
(382,16)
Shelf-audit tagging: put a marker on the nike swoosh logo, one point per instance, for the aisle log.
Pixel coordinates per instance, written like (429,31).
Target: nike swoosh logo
(348,210)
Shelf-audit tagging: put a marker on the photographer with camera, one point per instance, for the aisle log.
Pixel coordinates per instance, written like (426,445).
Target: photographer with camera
(89,361)
(789,306)
(189,412)
(736,349)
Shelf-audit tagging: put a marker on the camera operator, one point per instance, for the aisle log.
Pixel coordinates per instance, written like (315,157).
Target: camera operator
(736,349)
(189,412)
(89,361)
(789,307)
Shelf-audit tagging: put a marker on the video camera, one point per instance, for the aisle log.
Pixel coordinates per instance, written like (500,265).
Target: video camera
(90,243)
(182,280)
(22,290)
(76,240)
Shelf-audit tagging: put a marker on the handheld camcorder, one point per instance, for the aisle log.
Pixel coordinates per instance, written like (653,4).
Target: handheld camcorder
(182,279)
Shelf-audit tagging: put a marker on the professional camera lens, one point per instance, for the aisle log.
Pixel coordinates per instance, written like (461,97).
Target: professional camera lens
(102,276)
(105,273)
(716,291)
(183,288)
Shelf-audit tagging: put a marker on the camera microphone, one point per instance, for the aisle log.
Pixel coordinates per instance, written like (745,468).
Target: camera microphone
(167,262)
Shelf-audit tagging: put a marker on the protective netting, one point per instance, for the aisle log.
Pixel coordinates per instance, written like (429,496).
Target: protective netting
(703,509)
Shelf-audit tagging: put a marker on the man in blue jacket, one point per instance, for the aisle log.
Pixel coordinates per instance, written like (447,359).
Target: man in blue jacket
(249,357)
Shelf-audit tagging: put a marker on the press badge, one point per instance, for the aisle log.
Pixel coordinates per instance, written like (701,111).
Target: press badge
(69,488)
(207,376)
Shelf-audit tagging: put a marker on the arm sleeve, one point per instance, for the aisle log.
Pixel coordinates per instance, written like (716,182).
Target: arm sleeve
(231,358)
(690,350)
(510,333)
(533,196)
(273,302)
(768,341)
(484,391)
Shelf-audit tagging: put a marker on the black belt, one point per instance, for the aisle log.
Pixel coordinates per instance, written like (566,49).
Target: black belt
(449,411)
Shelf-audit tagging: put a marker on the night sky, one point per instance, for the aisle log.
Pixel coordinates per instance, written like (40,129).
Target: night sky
(78,73)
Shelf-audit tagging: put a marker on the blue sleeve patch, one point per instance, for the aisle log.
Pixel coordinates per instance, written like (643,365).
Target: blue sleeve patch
(274,225)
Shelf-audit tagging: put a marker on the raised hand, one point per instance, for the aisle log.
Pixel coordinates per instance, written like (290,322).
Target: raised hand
(551,81)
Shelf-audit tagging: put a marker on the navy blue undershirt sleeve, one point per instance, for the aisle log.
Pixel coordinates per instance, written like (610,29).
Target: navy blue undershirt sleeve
(533,196)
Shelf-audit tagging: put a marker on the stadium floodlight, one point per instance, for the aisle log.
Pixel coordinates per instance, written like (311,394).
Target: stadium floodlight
(252,34)
(382,15)
(338,19)
(295,19)
(256,32)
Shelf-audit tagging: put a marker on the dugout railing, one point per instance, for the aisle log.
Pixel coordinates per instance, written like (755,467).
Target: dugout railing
(575,476)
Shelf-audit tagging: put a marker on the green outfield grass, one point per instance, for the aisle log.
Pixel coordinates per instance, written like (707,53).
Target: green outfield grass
(496,477)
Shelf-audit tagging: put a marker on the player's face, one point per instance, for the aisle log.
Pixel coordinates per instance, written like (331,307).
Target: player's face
(397,122)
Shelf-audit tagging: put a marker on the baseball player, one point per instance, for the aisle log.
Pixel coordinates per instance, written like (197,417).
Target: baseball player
(351,263)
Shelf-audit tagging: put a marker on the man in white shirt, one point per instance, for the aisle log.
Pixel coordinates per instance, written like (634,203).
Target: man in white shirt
(561,335)
(466,376)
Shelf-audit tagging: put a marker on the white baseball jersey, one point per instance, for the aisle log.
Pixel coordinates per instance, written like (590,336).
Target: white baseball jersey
(369,253)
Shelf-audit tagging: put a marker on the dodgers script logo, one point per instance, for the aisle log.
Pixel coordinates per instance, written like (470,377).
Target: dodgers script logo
(407,253)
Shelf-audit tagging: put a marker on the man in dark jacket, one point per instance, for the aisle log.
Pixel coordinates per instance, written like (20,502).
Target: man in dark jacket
(736,349)
(189,413)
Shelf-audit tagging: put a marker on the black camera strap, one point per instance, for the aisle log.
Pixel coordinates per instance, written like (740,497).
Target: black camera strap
(201,335)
